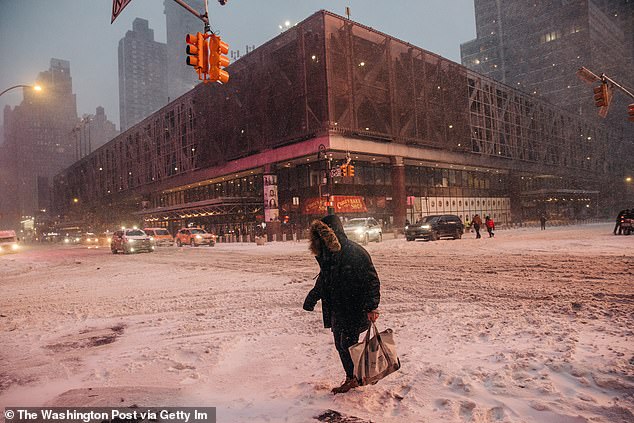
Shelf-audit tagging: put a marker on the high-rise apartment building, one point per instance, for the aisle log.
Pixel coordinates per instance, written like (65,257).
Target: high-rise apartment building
(91,132)
(538,46)
(142,74)
(38,143)
(179,23)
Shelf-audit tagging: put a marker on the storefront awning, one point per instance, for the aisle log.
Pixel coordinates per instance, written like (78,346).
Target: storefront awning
(216,207)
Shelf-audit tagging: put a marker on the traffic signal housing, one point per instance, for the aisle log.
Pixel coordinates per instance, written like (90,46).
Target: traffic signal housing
(630,112)
(350,170)
(344,170)
(601,95)
(218,60)
(198,53)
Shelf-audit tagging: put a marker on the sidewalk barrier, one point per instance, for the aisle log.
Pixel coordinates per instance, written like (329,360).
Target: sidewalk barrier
(260,240)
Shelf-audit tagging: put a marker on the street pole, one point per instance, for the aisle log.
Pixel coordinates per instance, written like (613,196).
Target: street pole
(35,87)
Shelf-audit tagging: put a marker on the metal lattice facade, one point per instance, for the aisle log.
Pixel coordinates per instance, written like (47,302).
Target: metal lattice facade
(330,80)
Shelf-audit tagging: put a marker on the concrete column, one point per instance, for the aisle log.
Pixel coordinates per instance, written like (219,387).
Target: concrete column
(399,196)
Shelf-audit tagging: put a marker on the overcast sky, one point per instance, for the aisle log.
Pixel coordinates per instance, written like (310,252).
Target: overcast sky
(34,31)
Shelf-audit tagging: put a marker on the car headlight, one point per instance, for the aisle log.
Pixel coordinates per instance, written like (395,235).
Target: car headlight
(425,226)
(199,237)
(131,241)
(15,247)
(151,238)
(109,239)
(66,240)
(359,230)
(406,227)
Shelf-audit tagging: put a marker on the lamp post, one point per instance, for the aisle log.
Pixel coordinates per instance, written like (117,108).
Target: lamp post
(35,87)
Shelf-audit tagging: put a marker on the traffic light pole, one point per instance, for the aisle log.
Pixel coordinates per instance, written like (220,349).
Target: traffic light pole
(589,76)
(203,17)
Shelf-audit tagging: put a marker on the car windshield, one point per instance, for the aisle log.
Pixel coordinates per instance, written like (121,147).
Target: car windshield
(135,232)
(356,222)
(161,232)
(198,231)
(429,219)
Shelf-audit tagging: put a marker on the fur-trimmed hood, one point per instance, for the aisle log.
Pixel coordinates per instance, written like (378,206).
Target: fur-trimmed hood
(322,235)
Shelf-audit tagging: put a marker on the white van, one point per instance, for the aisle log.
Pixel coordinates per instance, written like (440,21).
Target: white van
(8,242)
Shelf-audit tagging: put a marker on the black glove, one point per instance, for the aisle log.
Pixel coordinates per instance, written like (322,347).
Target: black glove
(308,305)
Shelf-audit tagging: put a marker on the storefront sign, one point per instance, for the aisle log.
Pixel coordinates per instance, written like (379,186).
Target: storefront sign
(342,204)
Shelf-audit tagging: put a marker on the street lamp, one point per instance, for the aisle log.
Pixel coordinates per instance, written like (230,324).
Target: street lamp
(35,87)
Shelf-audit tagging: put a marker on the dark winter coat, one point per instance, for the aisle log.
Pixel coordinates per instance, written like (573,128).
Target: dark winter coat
(347,285)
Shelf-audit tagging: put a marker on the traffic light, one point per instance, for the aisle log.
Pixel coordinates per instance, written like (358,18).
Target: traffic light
(197,50)
(630,112)
(350,170)
(217,60)
(344,170)
(602,95)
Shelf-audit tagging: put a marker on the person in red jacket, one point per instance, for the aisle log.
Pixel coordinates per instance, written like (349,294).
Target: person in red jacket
(490,224)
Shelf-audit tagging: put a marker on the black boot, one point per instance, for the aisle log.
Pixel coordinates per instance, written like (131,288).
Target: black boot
(348,384)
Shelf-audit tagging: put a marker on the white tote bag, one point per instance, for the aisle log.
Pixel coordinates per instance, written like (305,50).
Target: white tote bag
(375,357)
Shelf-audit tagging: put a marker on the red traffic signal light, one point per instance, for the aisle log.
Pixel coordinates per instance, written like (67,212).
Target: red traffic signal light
(630,112)
(217,60)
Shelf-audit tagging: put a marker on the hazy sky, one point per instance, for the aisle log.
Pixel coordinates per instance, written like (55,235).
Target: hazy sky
(34,31)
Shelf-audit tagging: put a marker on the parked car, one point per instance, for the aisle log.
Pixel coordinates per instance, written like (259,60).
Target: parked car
(435,227)
(160,236)
(194,237)
(130,241)
(363,230)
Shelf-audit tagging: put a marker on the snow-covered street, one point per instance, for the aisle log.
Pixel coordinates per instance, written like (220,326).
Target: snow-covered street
(529,326)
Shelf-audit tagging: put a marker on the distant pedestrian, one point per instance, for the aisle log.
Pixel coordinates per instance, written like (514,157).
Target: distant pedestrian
(348,287)
(490,224)
(542,220)
(467,224)
(619,219)
(476,222)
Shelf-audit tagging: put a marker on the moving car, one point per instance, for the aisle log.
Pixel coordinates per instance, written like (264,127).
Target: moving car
(8,241)
(435,227)
(160,236)
(130,241)
(195,237)
(363,230)
(72,238)
(89,239)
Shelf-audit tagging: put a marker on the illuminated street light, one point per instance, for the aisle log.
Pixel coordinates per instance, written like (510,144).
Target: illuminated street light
(35,87)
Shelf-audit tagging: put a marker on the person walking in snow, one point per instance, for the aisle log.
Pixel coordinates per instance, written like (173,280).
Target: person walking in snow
(348,287)
(490,224)
(542,221)
(476,222)
(619,218)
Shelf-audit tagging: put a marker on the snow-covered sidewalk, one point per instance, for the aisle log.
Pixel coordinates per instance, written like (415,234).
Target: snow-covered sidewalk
(529,326)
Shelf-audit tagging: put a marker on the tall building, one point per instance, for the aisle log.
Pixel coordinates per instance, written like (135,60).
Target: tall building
(142,74)
(179,22)
(38,143)
(541,55)
(91,132)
